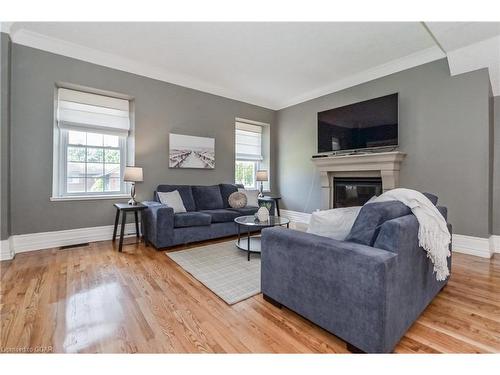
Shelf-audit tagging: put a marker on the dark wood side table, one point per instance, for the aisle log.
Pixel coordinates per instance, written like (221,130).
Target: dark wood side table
(274,199)
(124,208)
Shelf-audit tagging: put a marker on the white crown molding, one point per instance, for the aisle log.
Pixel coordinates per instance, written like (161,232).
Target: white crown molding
(62,47)
(5,27)
(391,67)
(484,54)
(76,51)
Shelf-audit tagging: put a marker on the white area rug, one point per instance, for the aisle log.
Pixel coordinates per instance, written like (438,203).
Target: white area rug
(223,269)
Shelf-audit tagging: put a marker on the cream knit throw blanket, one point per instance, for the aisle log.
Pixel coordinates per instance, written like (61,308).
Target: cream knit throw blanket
(433,234)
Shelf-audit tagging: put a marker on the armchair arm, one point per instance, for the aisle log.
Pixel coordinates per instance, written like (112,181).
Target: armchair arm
(158,223)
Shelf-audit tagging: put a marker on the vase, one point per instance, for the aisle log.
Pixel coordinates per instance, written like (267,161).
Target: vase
(262,214)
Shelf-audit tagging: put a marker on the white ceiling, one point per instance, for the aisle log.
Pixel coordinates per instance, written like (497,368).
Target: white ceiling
(269,64)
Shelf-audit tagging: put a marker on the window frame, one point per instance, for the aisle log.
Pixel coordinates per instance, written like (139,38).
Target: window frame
(63,163)
(257,163)
(60,145)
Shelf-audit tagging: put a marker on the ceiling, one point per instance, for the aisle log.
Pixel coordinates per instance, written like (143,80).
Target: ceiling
(273,65)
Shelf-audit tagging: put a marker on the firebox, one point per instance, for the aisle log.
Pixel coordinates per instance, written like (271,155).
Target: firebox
(355,191)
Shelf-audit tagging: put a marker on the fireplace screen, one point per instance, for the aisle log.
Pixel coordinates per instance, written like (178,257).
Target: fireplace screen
(355,191)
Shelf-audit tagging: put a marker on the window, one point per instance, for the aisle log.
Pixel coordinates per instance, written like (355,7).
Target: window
(248,153)
(90,144)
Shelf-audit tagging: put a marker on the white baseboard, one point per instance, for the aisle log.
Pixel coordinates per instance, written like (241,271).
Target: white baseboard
(495,243)
(6,249)
(46,240)
(478,246)
(296,216)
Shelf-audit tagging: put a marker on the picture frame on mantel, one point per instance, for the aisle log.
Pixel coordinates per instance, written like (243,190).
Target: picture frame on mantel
(191,152)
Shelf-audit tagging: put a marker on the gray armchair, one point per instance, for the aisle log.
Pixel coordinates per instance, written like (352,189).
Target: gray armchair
(368,290)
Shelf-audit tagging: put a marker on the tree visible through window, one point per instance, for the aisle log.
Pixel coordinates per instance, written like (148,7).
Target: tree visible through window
(245,173)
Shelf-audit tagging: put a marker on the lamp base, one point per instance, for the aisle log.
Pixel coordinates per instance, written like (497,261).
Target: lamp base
(132,200)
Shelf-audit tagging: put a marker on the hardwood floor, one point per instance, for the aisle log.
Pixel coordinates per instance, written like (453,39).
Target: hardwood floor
(94,299)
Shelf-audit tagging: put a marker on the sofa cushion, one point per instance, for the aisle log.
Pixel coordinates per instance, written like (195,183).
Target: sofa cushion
(248,210)
(207,197)
(433,198)
(222,215)
(226,190)
(172,199)
(370,219)
(185,192)
(191,219)
(252,196)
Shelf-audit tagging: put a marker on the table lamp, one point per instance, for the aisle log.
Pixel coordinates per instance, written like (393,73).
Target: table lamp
(262,176)
(132,174)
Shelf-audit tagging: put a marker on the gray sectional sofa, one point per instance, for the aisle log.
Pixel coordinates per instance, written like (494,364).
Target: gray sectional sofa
(367,290)
(208,215)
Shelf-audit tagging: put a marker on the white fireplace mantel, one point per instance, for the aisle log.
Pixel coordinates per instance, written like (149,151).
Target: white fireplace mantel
(382,164)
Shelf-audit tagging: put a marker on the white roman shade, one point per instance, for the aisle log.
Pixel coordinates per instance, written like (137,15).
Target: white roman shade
(248,142)
(86,111)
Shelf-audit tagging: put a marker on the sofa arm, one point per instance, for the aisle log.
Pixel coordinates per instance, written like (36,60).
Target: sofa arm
(338,285)
(158,224)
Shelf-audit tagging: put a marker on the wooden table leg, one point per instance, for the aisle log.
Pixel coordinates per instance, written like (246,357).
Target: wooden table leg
(277,206)
(117,218)
(124,219)
(136,223)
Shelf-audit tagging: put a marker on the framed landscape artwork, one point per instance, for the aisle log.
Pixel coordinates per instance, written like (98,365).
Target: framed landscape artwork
(186,151)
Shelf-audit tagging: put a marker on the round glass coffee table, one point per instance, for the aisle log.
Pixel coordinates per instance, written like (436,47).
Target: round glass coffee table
(252,243)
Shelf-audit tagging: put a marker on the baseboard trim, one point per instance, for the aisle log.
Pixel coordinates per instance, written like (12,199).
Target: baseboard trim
(45,240)
(6,249)
(477,246)
(296,216)
(495,243)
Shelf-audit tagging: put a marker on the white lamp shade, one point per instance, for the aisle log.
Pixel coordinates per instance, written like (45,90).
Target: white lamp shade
(262,175)
(133,174)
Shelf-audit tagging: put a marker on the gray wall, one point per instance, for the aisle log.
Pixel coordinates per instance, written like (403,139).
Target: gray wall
(4,135)
(160,108)
(444,129)
(496,167)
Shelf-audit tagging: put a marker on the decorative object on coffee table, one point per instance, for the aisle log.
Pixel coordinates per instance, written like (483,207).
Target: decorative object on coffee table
(268,200)
(261,177)
(133,174)
(124,208)
(252,244)
(237,200)
(262,214)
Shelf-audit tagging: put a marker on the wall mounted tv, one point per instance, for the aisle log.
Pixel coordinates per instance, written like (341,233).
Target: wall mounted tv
(369,124)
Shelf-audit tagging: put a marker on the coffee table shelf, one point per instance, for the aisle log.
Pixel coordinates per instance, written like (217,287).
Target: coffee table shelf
(251,244)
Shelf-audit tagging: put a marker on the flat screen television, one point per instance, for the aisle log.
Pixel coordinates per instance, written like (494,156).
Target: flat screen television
(369,124)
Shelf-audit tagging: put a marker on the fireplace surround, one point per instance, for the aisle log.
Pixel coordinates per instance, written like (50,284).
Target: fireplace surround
(381,165)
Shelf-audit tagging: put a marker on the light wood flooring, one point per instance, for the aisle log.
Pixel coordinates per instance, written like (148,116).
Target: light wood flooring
(94,299)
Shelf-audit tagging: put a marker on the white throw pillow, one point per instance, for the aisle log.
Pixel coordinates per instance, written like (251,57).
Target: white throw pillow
(172,199)
(252,197)
(336,223)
